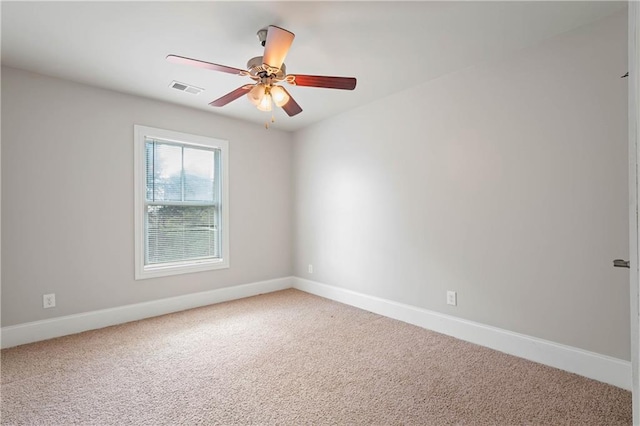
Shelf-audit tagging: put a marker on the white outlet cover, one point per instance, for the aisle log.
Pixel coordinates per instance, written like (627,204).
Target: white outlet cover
(310,269)
(452,298)
(49,300)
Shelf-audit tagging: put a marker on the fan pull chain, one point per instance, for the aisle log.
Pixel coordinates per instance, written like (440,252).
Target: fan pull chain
(266,124)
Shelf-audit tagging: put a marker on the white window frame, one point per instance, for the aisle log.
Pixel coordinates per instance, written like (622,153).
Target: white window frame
(142,271)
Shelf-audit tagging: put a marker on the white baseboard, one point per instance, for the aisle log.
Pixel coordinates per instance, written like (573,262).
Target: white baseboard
(595,366)
(589,364)
(55,327)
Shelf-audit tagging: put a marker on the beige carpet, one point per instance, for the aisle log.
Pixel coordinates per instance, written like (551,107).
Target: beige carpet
(289,358)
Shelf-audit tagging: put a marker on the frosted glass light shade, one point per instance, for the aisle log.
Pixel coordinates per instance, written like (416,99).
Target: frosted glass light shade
(265,103)
(279,95)
(256,94)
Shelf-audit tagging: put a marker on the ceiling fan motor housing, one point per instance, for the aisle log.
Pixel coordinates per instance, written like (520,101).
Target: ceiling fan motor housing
(257,70)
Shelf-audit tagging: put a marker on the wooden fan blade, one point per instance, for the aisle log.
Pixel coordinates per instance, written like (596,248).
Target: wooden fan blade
(276,46)
(202,64)
(232,96)
(291,107)
(344,83)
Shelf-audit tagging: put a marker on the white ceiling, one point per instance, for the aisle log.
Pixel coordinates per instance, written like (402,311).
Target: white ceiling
(387,46)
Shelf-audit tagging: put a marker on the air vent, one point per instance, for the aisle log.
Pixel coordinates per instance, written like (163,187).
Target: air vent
(183,87)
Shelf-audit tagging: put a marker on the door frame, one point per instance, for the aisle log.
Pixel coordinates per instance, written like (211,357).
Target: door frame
(634,196)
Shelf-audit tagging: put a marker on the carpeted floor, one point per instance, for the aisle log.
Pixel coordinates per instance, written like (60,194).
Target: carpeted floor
(289,358)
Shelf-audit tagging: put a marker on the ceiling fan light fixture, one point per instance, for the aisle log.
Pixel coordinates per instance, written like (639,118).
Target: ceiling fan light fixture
(279,95)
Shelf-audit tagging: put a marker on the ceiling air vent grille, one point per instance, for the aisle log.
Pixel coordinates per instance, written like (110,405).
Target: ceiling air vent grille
(183,87)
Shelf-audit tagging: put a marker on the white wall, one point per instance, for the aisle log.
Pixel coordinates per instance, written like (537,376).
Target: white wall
(67,198)
(506,182)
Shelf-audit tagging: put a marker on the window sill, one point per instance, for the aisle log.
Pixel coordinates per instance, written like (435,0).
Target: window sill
(168,270)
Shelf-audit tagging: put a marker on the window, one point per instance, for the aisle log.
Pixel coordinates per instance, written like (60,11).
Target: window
(181,203)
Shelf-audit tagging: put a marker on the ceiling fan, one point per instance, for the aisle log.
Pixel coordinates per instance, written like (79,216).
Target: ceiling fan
(267,71)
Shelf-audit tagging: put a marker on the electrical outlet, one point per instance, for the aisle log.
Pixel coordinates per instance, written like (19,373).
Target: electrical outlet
(48,300)
(452,298)
(310,268)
